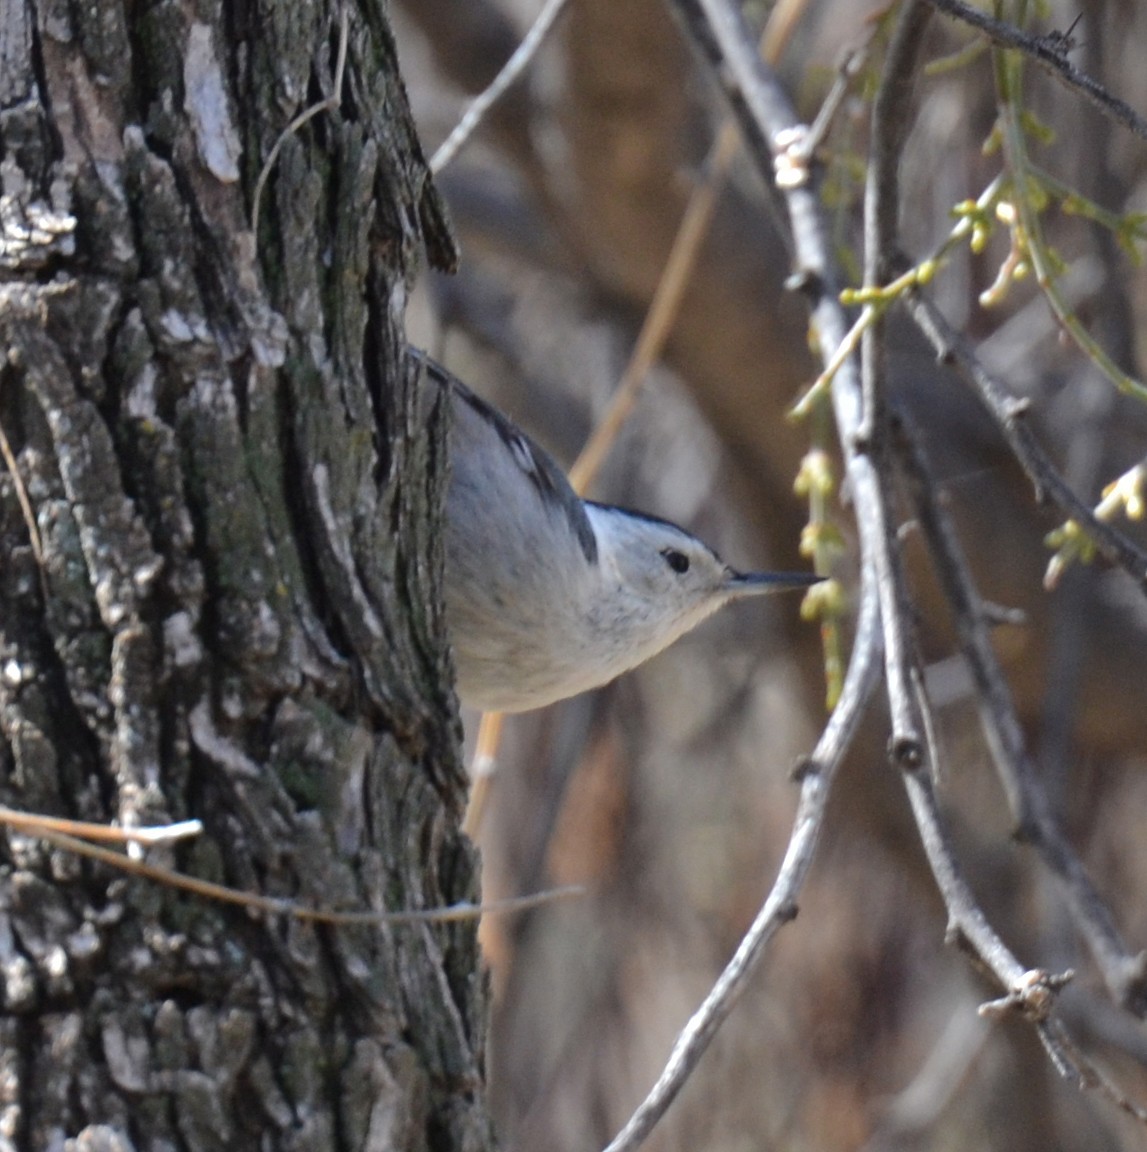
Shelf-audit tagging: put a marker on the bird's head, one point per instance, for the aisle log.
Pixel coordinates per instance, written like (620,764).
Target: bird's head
(658,581)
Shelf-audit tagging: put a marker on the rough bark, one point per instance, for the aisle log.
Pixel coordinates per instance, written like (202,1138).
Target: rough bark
(229,607)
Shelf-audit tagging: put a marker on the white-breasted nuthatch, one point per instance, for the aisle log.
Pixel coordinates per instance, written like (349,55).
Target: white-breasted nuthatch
(548,595)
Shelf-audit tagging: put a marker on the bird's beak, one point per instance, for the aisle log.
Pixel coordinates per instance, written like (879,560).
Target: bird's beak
(743,584)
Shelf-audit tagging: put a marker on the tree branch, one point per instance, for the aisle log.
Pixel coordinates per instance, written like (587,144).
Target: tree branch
(498,87)
(891,119)
(1009,413)
(1051,55)
(774,141)
(816,775)
(768,121)
(1125,974)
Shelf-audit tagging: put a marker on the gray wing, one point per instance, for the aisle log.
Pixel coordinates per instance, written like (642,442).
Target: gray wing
(535,463)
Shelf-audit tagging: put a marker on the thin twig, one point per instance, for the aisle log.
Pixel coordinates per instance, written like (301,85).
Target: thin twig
(483,768)
(1009,414)
(851,61)
(1031,993)
(330,103)
(767,120)
(1027,232)
(817,775)
(769,126)
(26,509)
(907,1117)
(22,497)
(290,908)
(877,301)
(912,728)
(511,70)
(1050,56)
(890,124)
(892,116)
(655,329)
(1094,1078)
(891,120)
(1125,974)
(682,259)
(33,823)
(663,309)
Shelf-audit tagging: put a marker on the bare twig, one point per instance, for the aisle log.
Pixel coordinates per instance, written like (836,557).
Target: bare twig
(907,1117)
(876,301)
(1027,992)
(26,510)
(1124,973)
(848,67)
(511,70)
(892,116)
(816,776)
(891,119)
(1009,414)
(1094,1078)
(771,132)
(290,908)
(22,497)
(768,122)
(1031,994)
(329,104)
(691,233)
(1050,56)
(32,823)
(663,309)
(655,329)
(482,770)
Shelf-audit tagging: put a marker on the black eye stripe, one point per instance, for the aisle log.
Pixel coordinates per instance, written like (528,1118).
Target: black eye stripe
(678,561)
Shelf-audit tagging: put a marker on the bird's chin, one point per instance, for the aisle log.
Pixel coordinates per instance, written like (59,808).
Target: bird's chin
(636,654)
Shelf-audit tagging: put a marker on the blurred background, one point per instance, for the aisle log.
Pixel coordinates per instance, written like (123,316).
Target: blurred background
(668,794)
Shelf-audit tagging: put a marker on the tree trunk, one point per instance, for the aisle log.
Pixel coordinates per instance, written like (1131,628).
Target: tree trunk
(219,589)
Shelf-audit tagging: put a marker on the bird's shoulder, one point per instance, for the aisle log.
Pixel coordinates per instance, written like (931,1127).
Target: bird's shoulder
(532,461)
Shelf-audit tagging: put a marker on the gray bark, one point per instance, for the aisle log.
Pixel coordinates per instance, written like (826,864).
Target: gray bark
(230,605)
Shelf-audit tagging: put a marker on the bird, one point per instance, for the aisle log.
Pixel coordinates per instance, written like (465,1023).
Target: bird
(548,595)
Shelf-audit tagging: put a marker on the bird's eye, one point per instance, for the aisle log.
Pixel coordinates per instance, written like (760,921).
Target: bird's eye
(678,561)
